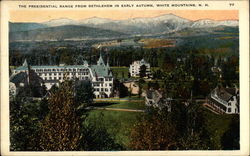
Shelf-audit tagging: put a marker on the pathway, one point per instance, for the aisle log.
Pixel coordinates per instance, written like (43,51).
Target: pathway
(116,109)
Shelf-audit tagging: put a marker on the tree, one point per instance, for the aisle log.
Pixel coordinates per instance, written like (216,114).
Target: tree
(231,138)
(192,142)
(143,73)
(141,82)
(24,125)
(61,128)
(84,92)
(154,132)
(121,88)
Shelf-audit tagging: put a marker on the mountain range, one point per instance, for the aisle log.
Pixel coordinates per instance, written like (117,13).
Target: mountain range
(104,28)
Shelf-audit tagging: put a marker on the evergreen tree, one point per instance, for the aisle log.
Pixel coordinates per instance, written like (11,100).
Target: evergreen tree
(84,92)
(24,125)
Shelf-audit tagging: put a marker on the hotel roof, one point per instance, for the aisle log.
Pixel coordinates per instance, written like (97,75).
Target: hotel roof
(98,70)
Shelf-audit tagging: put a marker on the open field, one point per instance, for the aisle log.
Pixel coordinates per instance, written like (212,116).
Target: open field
(123,104)
(157,43)
(117,123)
(120,72)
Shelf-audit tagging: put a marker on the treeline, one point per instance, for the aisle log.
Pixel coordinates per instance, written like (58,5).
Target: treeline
(199,74)
(183,128)
(116,56)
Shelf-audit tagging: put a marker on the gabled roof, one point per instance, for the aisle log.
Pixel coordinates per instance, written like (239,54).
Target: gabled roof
(223,93)
(100,71)
(85,63)
(25,64)
(154,95)
(18,78)
(100,61)
(51,67)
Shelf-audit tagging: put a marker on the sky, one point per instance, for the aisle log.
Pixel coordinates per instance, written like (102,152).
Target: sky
(42,16)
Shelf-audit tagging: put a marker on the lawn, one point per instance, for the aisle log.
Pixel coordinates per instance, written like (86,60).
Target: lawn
(117,123)
(217,125)
(133,104)
(128,105)
(120,72)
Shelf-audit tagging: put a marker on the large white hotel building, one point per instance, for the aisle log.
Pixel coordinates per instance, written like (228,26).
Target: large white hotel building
(99,75)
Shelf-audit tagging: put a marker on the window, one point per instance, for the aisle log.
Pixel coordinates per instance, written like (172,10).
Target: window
(101,89)
(229,109)
(106,89)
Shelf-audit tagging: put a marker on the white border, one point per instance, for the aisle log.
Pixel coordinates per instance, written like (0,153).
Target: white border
(242,6)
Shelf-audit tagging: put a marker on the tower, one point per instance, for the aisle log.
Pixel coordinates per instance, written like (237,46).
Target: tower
(100,61)
(25,64)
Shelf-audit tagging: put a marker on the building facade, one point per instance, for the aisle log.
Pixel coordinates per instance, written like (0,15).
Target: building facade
(157,99)
(99,75)
(224,100)
(135,67)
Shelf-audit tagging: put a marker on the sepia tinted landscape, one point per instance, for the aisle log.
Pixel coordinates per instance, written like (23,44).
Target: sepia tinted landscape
(146,83)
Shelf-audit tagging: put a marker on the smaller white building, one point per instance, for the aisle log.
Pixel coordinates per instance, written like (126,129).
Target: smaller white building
(157,99)
(224,100)
(135,67)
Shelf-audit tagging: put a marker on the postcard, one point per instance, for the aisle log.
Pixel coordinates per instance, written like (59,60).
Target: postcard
(124,78)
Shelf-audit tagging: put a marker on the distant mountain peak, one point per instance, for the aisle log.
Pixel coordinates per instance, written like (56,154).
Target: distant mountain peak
(214,23)
(60,21)
(173,17)
(95,20)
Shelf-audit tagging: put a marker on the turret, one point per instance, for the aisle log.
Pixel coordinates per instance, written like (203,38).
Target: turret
(100,61)
(25,64)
